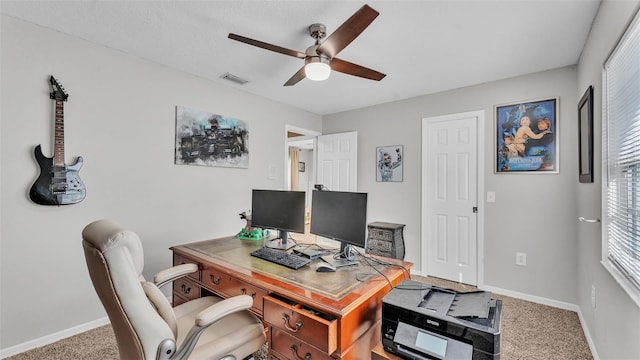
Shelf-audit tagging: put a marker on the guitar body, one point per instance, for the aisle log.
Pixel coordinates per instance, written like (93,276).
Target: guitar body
(57,185)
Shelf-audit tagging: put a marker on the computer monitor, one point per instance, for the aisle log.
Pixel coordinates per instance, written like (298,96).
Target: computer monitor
(340,216)
(278,210)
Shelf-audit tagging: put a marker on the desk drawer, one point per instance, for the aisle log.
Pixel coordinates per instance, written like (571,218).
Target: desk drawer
(186,289)
(293,348)
(179,260)
(228,286)
(305,324)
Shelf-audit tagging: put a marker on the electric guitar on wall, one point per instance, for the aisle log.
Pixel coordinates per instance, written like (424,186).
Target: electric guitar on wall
(58,184)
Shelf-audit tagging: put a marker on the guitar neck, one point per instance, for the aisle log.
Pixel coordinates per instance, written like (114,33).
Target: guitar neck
(58,137)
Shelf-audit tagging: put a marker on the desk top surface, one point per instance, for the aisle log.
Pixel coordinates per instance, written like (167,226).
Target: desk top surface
(346,282)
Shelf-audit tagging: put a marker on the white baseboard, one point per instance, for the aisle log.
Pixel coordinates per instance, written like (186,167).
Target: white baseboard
(535,299)
(587,334)
(543,301)
(51,338)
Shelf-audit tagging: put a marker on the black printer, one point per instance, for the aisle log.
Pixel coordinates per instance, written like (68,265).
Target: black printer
(422,321)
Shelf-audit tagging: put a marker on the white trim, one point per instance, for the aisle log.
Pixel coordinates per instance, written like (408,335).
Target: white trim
(553,303)
(543,301)
(307,133)
(480,143)
(623,281)
(532,298)
(51,338)
(587,335)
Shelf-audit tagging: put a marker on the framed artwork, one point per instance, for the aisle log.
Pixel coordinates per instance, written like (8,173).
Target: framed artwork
(527,137)
(300,166)
(389,163)
(585,137)
(208,139)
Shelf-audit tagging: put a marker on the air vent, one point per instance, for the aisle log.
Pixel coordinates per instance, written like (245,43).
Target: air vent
(233,78)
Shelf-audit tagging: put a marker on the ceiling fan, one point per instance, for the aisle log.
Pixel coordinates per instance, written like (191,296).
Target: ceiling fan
(320,58)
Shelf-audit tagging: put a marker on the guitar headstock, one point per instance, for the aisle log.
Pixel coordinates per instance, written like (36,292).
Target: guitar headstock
(58,92)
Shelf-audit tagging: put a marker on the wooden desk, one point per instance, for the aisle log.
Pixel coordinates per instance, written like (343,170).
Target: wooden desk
(307,314)
(378,353)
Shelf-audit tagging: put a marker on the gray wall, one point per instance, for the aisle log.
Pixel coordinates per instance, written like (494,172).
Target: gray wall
(615,321)
(535,214)
(121,118)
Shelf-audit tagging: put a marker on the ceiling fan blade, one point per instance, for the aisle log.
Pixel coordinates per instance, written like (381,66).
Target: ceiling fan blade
(346,67)
(264,45)
(348,31)
(299,75)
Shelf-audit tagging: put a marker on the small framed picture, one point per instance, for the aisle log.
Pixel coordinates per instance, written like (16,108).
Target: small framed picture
(300,166)
(389,163)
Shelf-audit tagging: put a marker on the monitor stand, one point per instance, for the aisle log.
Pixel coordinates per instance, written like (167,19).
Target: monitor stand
(344,259)
(281,242)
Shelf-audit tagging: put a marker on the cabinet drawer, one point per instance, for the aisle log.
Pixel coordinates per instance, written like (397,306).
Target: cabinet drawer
(186,289)
(179,260)
(228,286)
(293,348)
(305,324)
(383,234)
(379,245)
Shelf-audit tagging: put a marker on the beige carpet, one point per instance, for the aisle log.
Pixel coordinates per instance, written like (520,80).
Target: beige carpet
(529,331)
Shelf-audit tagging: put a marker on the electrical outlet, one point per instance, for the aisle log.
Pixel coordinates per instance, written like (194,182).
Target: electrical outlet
(593,296)
(521,259)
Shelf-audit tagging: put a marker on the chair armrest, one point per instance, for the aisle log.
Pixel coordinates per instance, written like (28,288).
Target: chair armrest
(225,307)
(208,317)
(173,273)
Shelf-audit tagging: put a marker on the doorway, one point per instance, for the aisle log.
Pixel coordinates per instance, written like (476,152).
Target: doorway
(334,165)
(452,184)
(300,169)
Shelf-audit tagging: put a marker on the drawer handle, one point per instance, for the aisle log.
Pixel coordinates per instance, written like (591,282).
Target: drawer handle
(186,289)
(294,352)
(215,281)
(244,292)
(299,323)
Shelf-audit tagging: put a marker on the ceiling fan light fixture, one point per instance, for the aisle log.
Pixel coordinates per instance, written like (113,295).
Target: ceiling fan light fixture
(317,68)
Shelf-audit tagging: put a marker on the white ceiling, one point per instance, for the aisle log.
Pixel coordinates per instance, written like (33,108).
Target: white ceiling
(423,46)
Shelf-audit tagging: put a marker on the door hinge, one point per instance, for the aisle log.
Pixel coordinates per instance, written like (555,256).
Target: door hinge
(475,209)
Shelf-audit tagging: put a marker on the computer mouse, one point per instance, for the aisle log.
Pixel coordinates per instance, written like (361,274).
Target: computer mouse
(325,267)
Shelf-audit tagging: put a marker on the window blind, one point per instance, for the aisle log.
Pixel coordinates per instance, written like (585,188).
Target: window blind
(621,136)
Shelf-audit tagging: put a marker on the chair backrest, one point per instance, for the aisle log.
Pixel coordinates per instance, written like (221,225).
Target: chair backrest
(115,261)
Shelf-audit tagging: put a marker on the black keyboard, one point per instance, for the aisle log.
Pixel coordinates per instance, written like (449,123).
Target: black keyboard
(281,257)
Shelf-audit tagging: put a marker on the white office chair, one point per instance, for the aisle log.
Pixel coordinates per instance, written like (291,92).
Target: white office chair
(145,324)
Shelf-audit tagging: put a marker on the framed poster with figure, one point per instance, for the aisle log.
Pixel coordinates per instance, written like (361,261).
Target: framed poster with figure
(389,163)
(527,137)
(585,137)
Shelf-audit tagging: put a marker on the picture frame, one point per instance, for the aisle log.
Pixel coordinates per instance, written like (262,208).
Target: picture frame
(203,138)
(527,137)
(389,163)
(585,137)
(301,166)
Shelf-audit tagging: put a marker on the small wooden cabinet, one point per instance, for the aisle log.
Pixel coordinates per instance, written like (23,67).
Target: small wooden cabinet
(385,239)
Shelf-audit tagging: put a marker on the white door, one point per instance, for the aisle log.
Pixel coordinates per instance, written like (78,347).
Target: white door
(450,175)
(337,167)
(337,161)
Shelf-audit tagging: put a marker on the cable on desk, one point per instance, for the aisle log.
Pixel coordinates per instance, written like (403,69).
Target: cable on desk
(366,260)
(407,274)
